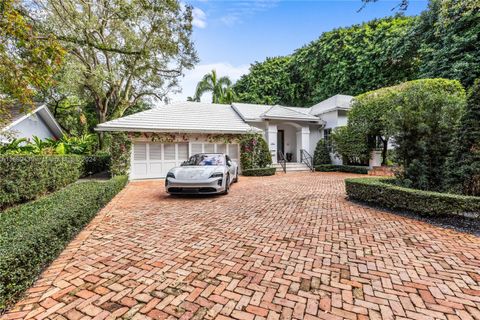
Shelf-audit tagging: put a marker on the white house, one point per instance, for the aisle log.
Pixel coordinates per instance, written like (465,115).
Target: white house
(27,124)
(167,135)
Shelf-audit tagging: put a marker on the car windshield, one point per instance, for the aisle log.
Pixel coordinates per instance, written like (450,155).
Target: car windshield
(206,160)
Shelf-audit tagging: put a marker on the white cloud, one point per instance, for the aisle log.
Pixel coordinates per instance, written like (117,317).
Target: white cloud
(192,77)
(244,9)
(199,18)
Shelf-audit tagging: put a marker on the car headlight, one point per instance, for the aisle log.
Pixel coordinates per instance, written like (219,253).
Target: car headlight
(170,175)
(217,175)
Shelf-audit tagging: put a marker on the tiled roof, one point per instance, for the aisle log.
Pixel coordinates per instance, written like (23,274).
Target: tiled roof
(279,112)
(182,117)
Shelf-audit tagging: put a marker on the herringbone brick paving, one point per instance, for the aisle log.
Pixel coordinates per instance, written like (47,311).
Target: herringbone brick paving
(282,247)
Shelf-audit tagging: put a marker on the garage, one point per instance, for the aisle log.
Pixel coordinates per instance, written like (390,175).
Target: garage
(152,160)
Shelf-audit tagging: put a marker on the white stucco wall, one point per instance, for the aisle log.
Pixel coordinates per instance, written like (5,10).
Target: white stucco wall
(32,126)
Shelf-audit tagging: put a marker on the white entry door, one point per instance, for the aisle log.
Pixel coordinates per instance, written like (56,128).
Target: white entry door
(154,160)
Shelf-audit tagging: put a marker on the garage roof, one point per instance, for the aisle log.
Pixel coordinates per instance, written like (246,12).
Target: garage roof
(192,117)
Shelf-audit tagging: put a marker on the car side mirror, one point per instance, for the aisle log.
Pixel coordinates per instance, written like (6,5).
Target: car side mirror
(184,163)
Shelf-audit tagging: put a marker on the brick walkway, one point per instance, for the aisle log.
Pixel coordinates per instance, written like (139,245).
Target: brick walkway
(288,247)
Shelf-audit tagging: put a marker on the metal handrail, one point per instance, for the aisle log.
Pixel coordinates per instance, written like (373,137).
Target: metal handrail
(307,158)
(282,161)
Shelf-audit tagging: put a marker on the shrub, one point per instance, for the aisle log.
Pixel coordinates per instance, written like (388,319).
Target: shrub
(120,147)
(254,152)
(258,172)
(464,163)
(321,154)
(33,234)
(384,193)
(341,168)
(25,177)
(95,163)
(424,116)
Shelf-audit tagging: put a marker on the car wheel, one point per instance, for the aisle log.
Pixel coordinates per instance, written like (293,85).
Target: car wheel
(227,185)
(236,177)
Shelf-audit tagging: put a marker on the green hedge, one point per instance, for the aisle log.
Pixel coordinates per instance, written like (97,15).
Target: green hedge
(33,234)
(341,168)
(25,177)
(383,193)
(270,171)
(95,163)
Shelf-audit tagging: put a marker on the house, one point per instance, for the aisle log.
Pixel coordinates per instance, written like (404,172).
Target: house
(167,135)
(27,124)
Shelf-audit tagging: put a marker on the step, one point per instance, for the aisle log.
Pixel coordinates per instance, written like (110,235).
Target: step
(292,167)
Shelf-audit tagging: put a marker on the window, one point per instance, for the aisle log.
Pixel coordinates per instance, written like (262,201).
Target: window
(328,139)
(326,134)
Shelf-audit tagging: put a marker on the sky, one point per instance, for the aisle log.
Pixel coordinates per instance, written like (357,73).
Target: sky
(229,35)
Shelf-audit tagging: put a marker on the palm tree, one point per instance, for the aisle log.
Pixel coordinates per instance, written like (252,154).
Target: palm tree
(220,88)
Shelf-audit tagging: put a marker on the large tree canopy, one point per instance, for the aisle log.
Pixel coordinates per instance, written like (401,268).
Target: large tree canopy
(346,60)
(122,51)
(442,42)
(28,58)
(448,35)
(268,82)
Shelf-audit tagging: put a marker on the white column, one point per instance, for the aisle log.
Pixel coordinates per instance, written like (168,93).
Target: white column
(271,138)
(303,140)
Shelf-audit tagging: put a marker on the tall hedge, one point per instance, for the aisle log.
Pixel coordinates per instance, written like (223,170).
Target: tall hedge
(423,116)
(25,177)
(33,234)
(464,163)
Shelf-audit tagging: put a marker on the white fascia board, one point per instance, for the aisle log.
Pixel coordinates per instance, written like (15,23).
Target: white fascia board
(125,129)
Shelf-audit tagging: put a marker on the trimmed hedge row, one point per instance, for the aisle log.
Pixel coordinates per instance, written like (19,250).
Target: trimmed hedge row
(25,177)
(383,193)
(95,163)
(258,172)
(33,234)
(341,168)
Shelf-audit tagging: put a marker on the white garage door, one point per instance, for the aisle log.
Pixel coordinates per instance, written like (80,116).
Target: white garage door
(153,160)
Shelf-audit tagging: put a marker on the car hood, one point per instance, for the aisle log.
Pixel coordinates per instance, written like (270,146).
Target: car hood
(195,172)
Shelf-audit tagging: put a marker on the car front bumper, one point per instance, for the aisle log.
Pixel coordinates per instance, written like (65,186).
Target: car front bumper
(209,186)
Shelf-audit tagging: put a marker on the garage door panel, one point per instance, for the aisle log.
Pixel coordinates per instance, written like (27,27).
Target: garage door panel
(169,152)
(155,151)
(139,170)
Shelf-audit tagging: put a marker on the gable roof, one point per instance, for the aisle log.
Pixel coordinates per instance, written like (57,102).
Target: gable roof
(18,114)
(189,117)
(259,112)
(337,102)
(279,112)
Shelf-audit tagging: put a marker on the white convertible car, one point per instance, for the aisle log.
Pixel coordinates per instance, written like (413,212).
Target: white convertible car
(203,173)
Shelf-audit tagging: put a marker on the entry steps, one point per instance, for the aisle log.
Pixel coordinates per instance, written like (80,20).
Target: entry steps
(292,167)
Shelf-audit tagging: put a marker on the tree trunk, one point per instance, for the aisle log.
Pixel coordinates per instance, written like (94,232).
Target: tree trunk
(384,152)
(102,117)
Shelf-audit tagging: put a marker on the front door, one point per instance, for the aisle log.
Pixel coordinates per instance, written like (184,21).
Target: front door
(281,143)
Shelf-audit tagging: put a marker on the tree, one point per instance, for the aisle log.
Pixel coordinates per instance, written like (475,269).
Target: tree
(267,82)
(220,88)
(122,52)
(370,118)
(353,147)
(447,35)
(28,59)
(425,115)
(321,154)
(464,163)
(348,60)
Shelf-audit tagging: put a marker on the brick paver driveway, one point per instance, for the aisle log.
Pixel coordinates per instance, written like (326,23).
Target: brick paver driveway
(288,246)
